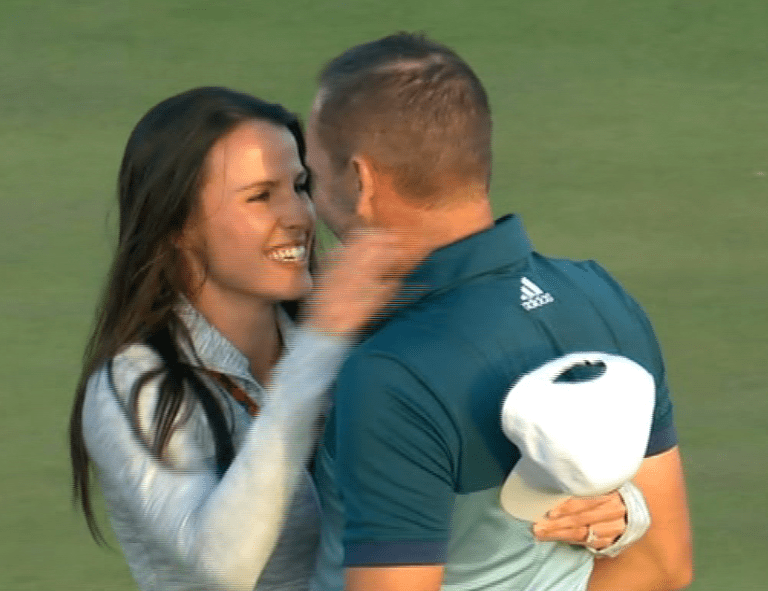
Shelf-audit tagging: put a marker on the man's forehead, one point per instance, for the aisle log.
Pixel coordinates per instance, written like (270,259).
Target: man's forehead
(318,100)
(314,146)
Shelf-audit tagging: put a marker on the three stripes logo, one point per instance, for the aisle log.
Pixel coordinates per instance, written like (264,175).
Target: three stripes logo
(532,296)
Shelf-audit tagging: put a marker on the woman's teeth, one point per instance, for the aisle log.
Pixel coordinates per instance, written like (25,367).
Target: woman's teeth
(290,254)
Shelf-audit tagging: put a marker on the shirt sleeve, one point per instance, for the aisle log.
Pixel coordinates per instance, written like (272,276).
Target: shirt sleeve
(214,532)
(397,449)
(663,432)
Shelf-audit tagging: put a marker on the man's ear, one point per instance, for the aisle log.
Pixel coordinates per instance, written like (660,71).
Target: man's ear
(366,188)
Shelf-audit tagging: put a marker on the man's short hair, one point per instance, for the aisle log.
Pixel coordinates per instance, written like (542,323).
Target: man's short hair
(414,107)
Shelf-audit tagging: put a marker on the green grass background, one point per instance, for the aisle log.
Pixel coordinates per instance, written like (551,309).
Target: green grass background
(635,133)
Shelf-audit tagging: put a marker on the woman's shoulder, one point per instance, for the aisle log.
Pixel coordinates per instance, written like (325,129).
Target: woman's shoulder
(116,379)
(126,389)
(132,362)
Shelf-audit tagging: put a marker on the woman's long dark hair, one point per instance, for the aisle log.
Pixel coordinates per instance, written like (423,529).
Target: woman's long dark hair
(162,170)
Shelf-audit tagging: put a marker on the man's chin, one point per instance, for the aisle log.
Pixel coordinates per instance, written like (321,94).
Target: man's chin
(340,230)
(341,225)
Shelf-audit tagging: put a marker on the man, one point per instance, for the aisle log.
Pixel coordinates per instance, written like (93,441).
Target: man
(413,456)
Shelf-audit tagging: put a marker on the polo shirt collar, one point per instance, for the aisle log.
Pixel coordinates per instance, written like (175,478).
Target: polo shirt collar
(484,252)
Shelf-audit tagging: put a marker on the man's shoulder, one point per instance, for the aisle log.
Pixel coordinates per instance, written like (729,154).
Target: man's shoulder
(432,340)
(436,364)
(399,352)
(589,273)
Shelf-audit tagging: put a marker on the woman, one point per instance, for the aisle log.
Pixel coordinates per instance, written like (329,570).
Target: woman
(215,241)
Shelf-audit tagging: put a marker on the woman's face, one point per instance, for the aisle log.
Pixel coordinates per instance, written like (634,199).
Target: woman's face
(251,233)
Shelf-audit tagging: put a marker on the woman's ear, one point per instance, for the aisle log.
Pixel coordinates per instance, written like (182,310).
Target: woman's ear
(191,259)
(188,238)
(179,240)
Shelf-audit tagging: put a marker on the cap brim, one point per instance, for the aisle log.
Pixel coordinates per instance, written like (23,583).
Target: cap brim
(526,503)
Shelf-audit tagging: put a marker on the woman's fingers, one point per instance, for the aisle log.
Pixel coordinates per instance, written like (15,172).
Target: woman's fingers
(360,278)
(576,512)
(604,534)
(571,521)
(576,505)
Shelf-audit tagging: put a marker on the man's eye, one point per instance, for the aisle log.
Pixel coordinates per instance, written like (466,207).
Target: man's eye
(263,196)
(302,187)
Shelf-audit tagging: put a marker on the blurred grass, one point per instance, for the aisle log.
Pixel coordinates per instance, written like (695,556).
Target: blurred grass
(633,133)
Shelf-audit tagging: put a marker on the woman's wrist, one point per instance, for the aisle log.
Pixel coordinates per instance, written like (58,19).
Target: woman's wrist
(638,520)
(309,367)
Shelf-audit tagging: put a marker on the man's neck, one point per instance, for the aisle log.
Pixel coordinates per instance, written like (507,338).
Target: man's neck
(441,225)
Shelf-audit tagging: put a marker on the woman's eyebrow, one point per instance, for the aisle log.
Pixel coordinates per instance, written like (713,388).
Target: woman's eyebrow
(268,183)
(257,184)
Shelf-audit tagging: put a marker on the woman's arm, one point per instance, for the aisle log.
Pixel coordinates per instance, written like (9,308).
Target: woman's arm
(222,532)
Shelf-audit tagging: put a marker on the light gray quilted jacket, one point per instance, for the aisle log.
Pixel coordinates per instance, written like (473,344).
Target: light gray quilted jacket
(180,526)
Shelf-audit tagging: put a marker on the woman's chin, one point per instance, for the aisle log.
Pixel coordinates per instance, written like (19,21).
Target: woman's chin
(298,291)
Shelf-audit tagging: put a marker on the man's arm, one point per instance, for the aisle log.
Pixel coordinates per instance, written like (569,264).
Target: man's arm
(394,578)
(662,559)
(396,450)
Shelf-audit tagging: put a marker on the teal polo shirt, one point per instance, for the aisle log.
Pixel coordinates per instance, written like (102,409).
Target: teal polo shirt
(413,455)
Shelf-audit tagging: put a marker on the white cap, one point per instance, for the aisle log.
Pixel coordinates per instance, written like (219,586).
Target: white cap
(578,438)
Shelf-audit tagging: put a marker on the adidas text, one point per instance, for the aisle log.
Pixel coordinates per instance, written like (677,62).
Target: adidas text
(532,296)
(537,301)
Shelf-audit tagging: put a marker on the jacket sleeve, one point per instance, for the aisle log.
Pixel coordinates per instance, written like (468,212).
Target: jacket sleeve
(218,532)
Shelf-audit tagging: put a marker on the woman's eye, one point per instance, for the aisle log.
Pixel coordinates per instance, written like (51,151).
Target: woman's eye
(302,187)
(263,196)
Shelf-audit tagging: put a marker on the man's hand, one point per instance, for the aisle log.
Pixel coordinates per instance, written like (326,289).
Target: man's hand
(572,519)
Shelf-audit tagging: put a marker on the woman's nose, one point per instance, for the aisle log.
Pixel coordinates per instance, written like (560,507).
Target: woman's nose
(298,211)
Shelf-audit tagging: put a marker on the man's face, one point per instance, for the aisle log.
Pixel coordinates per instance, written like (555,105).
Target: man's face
(333,191)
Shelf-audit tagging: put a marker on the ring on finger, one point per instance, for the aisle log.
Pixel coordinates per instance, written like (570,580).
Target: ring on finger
(591,537)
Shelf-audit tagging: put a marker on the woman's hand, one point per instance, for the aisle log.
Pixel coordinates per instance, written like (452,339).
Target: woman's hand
(571,521)
(361,277)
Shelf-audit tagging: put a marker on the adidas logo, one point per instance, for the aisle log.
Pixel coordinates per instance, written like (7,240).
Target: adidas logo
(531,295)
